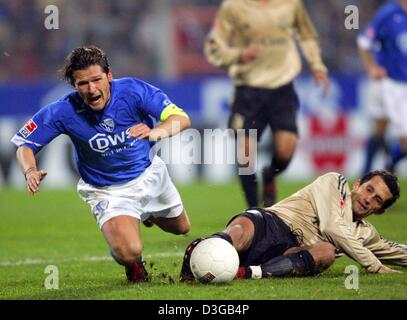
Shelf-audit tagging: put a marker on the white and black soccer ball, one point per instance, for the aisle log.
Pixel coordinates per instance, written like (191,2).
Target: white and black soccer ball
(214,260)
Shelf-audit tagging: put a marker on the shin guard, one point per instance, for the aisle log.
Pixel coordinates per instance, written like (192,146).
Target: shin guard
(295,264)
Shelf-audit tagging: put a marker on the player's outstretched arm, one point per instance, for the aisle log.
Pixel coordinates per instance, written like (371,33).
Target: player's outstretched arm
(28,164)
(171,126)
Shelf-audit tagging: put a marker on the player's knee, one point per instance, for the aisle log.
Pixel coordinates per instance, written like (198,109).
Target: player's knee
(403,142)
(241,231)
(329,254)
(182,228)
(183,225)
(324,254)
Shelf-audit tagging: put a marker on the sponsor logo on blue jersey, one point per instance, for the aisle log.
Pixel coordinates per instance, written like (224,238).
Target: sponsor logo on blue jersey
(102,142)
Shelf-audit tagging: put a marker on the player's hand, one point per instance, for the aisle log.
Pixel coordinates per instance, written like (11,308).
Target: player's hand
(247,55)
(377,72)
(140,131)
(320,77)
(384,269)
(34,178)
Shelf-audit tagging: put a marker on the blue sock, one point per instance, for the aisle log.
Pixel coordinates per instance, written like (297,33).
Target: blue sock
(396,154)
(373,145)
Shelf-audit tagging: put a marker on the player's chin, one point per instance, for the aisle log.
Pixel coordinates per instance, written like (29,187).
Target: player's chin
(96,106)
(362,214)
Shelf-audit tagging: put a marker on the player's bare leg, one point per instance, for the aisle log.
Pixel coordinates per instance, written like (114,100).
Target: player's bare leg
(246,159)
(284,146)
(375,143)
(380,127)
(178,225)
(122,233)
(241,232)
(398,152)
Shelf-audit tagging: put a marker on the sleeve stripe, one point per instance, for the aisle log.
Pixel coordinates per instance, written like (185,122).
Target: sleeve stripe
(341,186)
(364,42)
(396,245)
(19,141)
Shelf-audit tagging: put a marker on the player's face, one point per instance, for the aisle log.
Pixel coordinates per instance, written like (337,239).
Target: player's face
(93,85)
(369,197)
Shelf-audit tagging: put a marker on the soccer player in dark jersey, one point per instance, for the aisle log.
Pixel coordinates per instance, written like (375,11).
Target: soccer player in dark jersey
(303,234)
(109,122)
(253,40)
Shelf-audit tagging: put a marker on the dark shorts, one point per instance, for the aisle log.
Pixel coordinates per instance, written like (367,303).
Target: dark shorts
(256,108)
(272,237)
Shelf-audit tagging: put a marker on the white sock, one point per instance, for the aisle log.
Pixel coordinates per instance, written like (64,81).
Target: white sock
(256,272)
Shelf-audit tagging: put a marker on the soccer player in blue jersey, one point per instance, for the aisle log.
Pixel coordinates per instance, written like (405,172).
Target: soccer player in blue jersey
(388,31)
(109,121)
(375,106)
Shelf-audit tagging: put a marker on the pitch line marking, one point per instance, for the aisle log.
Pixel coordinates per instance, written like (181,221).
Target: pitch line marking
(33,261)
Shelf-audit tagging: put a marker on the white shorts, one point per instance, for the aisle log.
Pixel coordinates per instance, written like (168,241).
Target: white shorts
(395,100)
(375,99)
(150,194)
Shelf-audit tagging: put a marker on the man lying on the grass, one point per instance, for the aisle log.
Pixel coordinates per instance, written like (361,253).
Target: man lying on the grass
(302,234)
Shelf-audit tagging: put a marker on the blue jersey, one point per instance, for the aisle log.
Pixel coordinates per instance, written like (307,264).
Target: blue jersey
(104,153)
(388,30)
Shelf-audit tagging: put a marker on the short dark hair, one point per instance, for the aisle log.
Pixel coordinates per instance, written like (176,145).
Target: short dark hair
(81,58)
(391,182)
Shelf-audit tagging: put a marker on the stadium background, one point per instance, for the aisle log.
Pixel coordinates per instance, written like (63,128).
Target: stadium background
(161,42)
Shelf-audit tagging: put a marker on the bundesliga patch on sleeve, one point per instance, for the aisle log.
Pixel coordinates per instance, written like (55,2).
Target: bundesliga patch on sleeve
(28,128)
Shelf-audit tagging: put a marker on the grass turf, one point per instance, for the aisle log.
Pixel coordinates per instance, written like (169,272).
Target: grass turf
(56,228)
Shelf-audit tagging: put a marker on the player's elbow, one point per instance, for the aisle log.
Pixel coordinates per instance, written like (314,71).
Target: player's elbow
(329,253)
(23,153)
(182,121)
(187,122)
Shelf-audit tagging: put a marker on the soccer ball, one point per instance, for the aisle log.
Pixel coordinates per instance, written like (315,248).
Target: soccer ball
(214,260)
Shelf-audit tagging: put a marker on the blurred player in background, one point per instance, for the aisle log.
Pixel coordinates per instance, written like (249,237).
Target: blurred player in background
(302,234)
(376,142)
(388,31)
(110,124)
(254,41)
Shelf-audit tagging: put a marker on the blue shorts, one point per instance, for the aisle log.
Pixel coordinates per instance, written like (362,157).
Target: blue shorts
(272,237)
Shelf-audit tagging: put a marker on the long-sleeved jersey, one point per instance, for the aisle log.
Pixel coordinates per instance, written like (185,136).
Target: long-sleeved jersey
(268,27)
(322,211)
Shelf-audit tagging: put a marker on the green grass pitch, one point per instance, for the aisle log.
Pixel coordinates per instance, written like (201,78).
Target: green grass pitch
(56,228)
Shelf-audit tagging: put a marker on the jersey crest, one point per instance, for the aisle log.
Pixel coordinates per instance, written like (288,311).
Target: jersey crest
(108,124)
